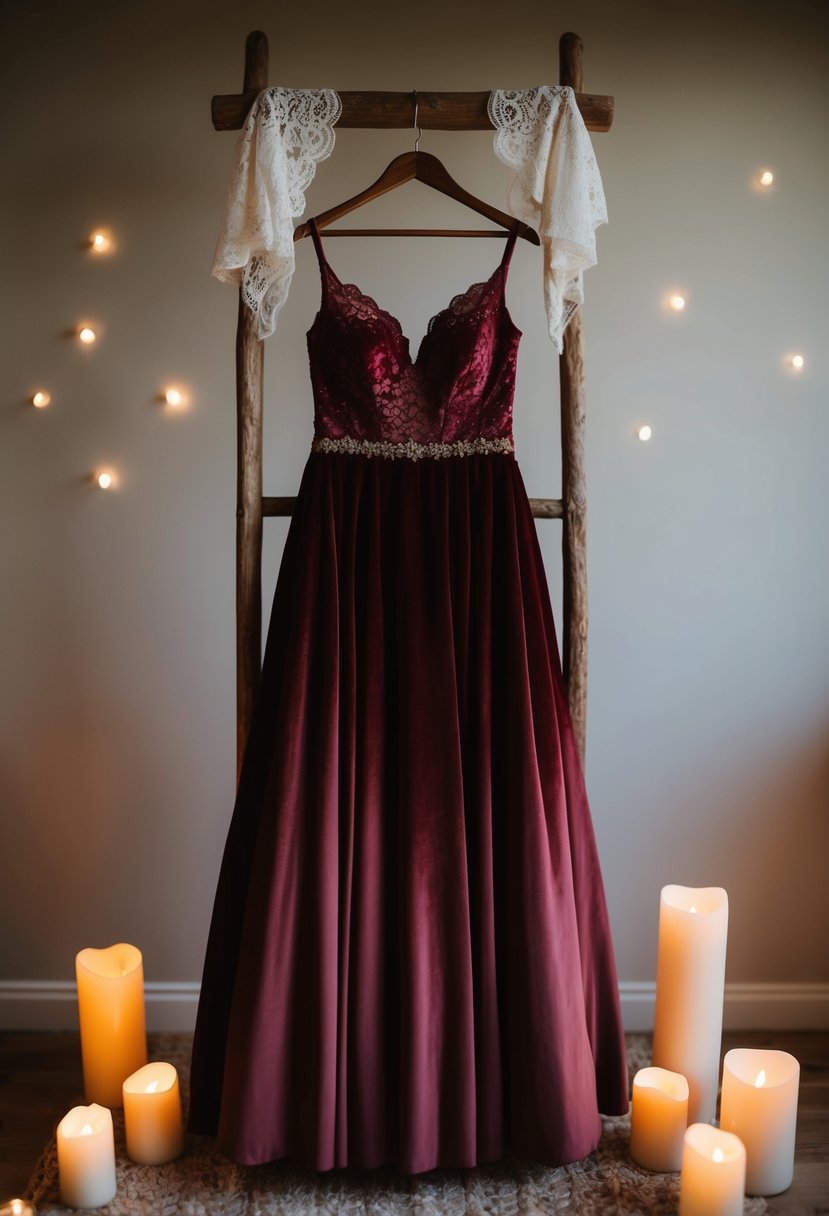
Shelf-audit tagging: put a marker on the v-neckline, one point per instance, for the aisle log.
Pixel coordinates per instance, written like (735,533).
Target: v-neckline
(385,312)
(500,269)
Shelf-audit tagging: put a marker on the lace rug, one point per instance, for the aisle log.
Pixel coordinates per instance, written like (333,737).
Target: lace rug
(203,1183)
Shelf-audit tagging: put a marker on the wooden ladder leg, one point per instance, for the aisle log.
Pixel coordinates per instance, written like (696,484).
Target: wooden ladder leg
(574,484)
(249,399)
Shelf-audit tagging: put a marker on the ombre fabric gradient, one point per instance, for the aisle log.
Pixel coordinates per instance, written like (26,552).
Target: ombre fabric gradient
(410,962)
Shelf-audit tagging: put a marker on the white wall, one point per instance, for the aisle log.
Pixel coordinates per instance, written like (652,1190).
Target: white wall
(709,581)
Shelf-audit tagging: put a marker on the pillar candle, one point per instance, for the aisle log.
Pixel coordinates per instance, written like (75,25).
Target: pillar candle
(759,1104)
(152,1115)
(658,1119)
(86,1157)
(713,1173)
(690,983)
(113,1028)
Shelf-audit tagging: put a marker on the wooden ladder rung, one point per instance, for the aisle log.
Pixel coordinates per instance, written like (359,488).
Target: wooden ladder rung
(435,112)
(542,508)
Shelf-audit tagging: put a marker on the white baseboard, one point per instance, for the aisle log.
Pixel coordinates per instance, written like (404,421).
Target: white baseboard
(51,1005)
(747,1006)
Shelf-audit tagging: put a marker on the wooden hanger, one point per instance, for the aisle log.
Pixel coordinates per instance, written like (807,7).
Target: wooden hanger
(421,167)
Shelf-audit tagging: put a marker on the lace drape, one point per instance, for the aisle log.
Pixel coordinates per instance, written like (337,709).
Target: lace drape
(539,134)
(556,187)
(286,134)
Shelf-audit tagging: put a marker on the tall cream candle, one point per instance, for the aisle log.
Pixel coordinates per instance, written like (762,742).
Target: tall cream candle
(690,983)
(86,1157)
(759,1104)
(113,1028)
(713,1173)
(152,1115)
(658,1119)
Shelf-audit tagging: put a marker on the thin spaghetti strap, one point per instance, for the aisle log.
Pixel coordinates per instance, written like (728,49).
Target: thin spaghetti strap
(510,245)
(315,236)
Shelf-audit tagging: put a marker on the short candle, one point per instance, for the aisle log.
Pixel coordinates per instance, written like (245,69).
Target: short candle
(690,984)
(17,1207)
(658,1119)
(152,1115)
(759,1104)
(86,1157)
(713,1173)
(113,1027)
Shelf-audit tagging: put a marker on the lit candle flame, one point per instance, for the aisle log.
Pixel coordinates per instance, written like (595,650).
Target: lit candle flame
(718,1155)
(152,1087)
(86,1130)
(761,1079)
(692,908)
(17,1207)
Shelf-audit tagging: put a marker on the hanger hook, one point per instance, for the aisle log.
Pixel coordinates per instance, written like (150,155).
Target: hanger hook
(415,123)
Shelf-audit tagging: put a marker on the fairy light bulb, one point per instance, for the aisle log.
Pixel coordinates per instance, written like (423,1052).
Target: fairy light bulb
(104,480)
(764,179)
(87,335)
(797,362)
(173,396)
(41,399)
(100,242)
(677,302)
(645,433)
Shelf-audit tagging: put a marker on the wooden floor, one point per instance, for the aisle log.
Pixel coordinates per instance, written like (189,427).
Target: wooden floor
(40,1079)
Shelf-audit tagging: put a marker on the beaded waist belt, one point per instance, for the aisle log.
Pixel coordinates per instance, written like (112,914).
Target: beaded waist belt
(411,450)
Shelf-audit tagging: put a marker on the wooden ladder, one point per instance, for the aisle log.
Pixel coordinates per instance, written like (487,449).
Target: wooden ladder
(436,111)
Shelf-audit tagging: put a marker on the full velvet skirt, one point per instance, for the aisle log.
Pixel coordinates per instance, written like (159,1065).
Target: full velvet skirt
(409,962)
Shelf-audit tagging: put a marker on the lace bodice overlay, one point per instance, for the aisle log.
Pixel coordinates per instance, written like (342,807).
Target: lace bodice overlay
(539,134)
(369,389)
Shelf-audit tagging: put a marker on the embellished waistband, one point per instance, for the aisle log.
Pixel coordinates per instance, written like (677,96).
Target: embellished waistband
(411,450)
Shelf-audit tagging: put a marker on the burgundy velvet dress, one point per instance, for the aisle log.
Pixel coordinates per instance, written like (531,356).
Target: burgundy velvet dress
(409,962)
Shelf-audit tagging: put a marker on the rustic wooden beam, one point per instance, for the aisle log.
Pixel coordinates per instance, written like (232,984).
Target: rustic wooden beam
(573,481)
(249,398)
(435,111)
(542,508)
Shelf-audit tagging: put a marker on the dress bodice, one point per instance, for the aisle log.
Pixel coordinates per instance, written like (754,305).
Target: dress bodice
(369,390)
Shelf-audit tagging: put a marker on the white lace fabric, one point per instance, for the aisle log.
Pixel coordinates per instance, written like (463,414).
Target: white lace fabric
(286,134)
(539,134)
(556,188)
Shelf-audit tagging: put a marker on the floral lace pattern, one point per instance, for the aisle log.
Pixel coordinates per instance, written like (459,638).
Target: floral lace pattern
(369,390)
(556,187)
(286,134)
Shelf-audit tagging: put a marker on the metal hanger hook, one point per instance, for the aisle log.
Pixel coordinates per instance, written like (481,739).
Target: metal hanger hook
(415,123)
